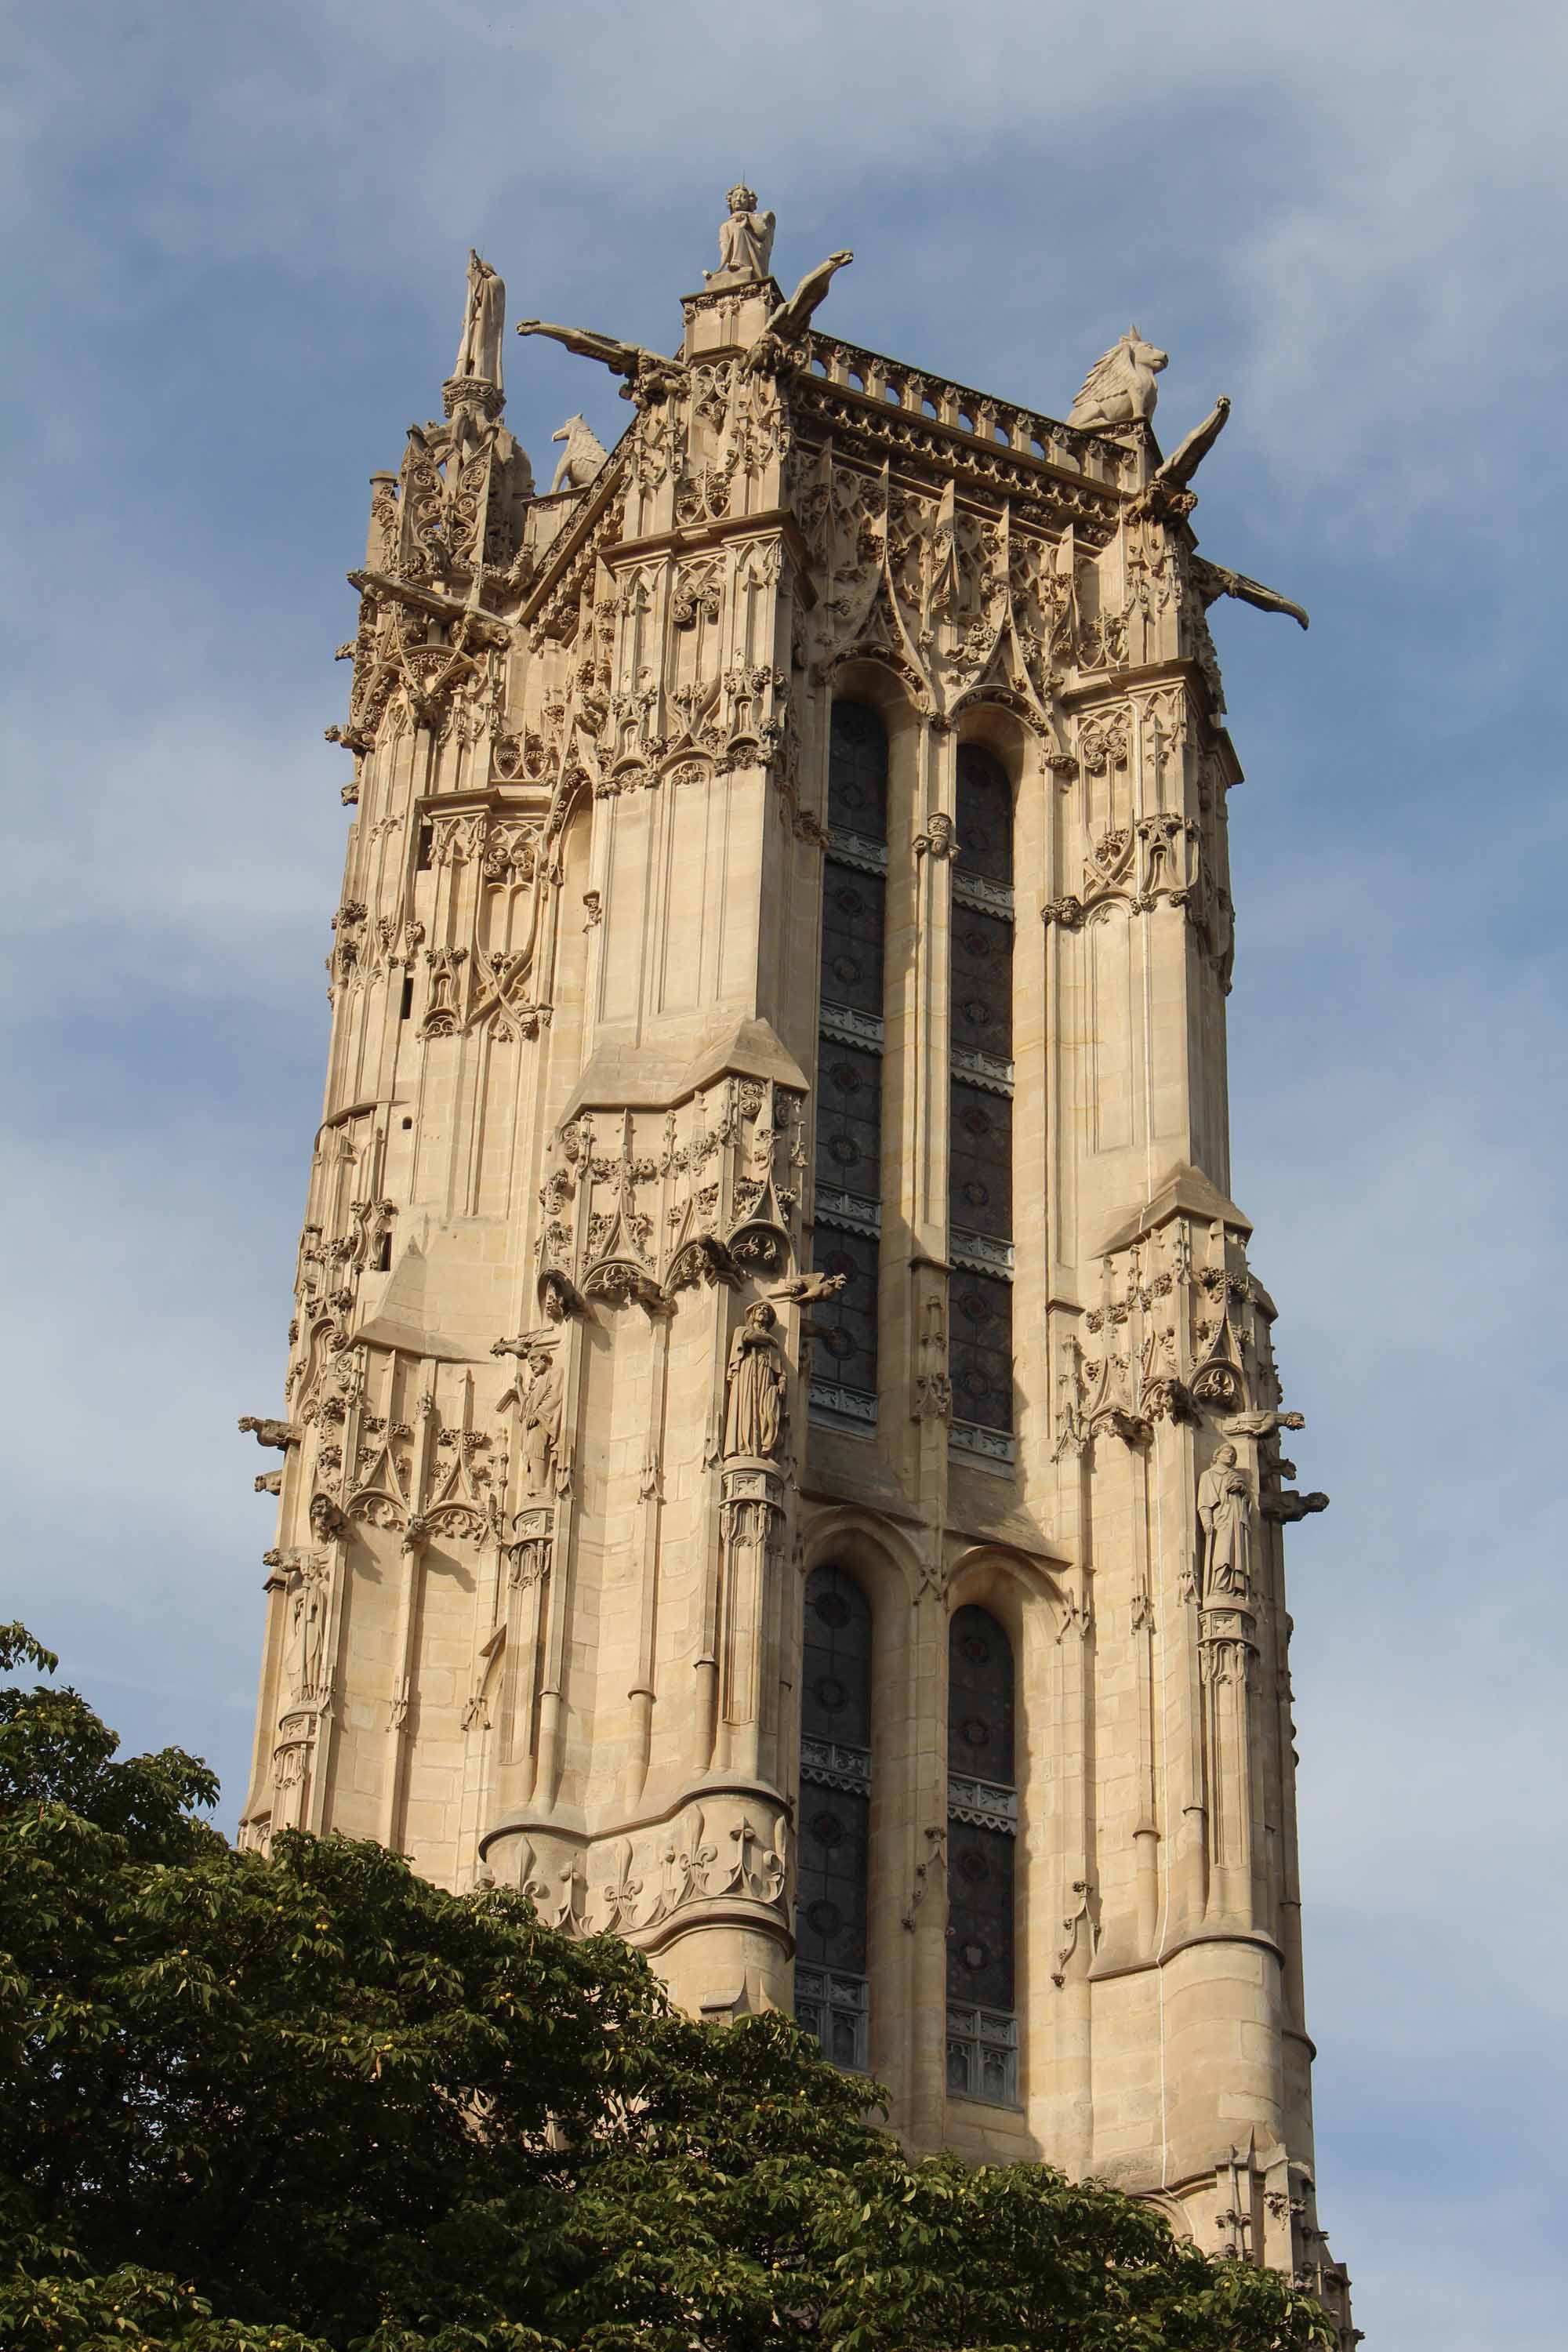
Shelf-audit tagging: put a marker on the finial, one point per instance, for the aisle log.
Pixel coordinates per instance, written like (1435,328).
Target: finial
(745,241)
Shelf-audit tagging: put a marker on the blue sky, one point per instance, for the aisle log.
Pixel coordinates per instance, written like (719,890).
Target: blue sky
(235,249)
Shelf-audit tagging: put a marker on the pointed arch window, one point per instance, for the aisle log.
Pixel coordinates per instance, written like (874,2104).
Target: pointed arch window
(980,1208)
(848,1177)
(831,1988)
(982,1838)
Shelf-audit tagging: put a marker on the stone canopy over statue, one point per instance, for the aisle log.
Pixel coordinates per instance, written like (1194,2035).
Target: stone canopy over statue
(746,242)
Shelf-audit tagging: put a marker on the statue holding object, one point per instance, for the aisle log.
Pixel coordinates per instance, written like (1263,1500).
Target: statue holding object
(484,322)
(754,1408)
(745,241)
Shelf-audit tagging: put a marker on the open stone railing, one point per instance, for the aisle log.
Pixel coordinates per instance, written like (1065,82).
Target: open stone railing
(977,414)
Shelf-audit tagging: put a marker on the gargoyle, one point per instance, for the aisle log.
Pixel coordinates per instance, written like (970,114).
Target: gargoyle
(280,1434)
(804,1286)
(790,320)
(1169,494)
(1213,580)
(649,376)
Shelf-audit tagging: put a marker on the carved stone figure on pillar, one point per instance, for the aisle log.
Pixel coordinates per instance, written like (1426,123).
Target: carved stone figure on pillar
(540,1422)
(484,322)
(1225,1514)
(754,1409)
(746,242)
(307,1630)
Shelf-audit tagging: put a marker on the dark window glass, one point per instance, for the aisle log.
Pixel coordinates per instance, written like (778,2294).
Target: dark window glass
(981,1348)
(852,939)
(850,1077)
(980,1916)
(980,1160)
(980,1860)
(980,1697)
(847,1350)
(849,1117)
(982,982)
(858,772)
(984,815)
(835,1668)
(836,1711)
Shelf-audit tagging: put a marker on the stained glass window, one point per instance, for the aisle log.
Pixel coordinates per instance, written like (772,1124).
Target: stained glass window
(980,1205)
(832,1991)
(849,1065)
(983,1824)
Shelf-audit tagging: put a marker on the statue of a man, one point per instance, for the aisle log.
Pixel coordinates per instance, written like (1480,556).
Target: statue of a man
(484,322)
(746,240)
(1225,1514)
(753,1410)
(540,1422)
(306,1630)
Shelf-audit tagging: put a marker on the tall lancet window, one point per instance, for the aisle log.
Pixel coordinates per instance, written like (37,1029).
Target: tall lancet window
(981,1135)
(831,1991)
(849,1067)
(982,1835)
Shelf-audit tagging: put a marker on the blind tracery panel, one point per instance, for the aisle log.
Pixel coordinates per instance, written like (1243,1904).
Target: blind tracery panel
(832,1993)
(983,1821)
(980,1132)
(848,1177)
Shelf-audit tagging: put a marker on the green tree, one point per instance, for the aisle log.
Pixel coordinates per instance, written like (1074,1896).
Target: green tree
(309,2102)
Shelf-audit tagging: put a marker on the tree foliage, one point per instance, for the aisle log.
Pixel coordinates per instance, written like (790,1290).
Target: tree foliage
(310,2101)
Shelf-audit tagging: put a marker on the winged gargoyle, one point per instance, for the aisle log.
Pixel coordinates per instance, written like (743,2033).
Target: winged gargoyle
(788,324)
(649,376)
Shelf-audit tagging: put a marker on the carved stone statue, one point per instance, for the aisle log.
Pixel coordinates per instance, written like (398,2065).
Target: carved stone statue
(307,1630)
(1225,1514)
(584,454)
(754,1408)
(540,1422)
(326,1520)
(484,322)
(787,322)
(1120,389)
(745,241)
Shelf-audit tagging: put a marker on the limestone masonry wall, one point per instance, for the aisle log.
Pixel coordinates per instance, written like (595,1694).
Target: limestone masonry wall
(662,1326)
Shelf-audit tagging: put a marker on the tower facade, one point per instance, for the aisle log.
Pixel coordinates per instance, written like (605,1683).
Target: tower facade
(781,1456)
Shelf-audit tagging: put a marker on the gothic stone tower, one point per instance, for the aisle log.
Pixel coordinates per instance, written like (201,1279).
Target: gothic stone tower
(781,1456)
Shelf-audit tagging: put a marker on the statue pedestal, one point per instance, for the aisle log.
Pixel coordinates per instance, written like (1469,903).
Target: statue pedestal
(728,314)
(471,392)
